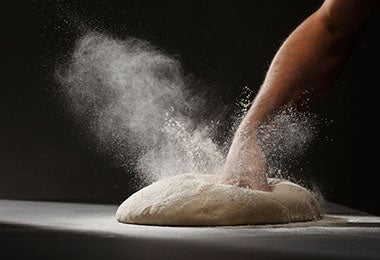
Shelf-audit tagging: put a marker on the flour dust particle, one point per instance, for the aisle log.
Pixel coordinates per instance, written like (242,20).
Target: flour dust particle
(132,97)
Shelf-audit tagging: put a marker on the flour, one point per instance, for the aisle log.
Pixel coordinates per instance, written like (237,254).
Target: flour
(133,98)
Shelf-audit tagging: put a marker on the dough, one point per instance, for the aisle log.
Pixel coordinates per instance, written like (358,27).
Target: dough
(196,200)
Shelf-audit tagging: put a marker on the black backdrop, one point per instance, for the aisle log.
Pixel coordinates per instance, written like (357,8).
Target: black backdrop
(227,44)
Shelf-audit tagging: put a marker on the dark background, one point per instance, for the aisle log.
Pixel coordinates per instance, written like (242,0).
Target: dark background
(226,44)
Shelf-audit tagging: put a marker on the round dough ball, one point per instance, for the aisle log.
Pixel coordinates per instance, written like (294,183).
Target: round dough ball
(197,200)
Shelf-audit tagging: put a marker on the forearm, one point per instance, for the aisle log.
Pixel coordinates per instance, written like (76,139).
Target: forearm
(302,68)
(308,62)
(311,58)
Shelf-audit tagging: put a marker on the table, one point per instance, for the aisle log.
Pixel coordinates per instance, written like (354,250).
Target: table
(63,230)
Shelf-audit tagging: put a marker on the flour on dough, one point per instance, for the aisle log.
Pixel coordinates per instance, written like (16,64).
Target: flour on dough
(197,200)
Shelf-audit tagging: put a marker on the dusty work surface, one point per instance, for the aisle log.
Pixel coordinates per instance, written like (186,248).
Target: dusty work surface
(56,230)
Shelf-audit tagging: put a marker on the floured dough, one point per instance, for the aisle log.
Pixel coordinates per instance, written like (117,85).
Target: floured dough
(196,200)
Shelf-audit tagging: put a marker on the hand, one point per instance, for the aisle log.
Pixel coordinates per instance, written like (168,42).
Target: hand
(245,165)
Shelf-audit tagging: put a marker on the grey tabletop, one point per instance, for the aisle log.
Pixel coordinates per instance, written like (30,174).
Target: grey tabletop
(60,230)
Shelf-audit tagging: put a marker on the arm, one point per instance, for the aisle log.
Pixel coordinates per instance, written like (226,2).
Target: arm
(307,63)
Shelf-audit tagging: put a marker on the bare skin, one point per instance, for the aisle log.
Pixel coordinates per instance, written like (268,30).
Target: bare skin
(309,62)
